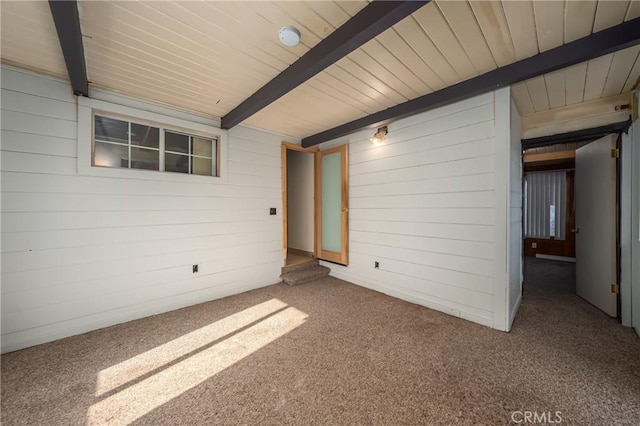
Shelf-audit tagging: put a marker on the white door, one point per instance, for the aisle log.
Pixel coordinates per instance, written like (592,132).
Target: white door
(595,197)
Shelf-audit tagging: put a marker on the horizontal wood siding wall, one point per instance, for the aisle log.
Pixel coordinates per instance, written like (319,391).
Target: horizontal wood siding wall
(83,252)
(423,206)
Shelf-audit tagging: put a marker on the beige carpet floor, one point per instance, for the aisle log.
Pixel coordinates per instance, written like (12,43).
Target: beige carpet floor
(330,352)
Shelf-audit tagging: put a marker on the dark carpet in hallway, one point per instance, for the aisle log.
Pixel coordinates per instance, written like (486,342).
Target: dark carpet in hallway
(330,352)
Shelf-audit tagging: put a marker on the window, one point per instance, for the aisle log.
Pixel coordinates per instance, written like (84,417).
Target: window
(120,143)
(545,201)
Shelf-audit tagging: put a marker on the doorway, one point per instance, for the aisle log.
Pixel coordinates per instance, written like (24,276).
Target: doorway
(315,204)
(570,219)
(298,197)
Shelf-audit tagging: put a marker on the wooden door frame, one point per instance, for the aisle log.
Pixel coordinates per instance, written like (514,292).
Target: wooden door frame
(285,208)
(344,222)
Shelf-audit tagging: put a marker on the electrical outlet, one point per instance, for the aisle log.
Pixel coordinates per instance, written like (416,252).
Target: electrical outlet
(377,265)
(272,211)
(195,269)
(534,245)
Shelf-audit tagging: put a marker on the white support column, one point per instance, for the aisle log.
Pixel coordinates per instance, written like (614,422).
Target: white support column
(502,121)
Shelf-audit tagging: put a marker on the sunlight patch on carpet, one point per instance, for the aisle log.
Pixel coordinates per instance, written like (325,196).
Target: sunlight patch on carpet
(133,368)
(141,398)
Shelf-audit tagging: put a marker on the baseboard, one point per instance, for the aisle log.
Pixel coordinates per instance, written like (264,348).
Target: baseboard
(421,300)
(552,257)
(514,311)
(48,333)
(300,252)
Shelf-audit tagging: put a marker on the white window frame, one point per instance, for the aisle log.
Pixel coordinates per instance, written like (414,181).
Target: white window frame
(88,106)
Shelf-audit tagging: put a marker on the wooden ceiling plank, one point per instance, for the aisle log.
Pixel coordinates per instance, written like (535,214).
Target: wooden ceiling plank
(464,25)
(633,11)
(362,72)
(575,77)
(556,89)
(393,54)
(142,54)
(330,11)
(67,20)
(392,41)
(493,24)
(325,81)
(586,110)
(438,30)
(633,80)
(368,23)
(350,6)
(621,66)
(340,73)
(200,38)
(109,28)
(339,95)
(522,99)
(609,13)
(594,46)
(522,27)
(164,81)
(549,156)
(308,17)
(578,19)
(185,102)
(538,91)
(597,71)
(263,35)
(413,35)
(549,17)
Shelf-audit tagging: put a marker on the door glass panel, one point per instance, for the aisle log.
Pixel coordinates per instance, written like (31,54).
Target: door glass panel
(332,202)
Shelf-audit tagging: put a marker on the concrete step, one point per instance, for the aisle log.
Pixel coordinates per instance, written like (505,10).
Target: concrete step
(311,262)
(304,275)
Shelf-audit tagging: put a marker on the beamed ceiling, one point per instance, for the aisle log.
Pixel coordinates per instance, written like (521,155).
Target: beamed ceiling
(209,57)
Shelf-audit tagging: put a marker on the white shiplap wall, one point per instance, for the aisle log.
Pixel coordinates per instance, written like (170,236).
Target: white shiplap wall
(81,252)
(426,205)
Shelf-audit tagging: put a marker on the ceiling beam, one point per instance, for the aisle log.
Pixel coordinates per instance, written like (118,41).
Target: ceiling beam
(67,21)
(372,20)
(584,135)
(601,43)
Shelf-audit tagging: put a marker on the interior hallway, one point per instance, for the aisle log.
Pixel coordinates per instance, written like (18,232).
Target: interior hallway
(359,357)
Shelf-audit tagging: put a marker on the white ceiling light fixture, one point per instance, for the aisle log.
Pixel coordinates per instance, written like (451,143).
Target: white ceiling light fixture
(289,36)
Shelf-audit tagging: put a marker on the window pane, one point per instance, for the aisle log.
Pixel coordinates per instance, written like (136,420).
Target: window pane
(201,147)
(109,129)
(176,142)
(176,163)
(145,135)
(110,155)
(142,158)
(201,166)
